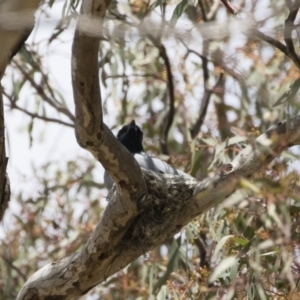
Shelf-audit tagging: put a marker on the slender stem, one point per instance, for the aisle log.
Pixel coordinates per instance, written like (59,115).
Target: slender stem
(171,112)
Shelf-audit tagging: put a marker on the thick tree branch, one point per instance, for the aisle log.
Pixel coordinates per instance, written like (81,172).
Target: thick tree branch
(249,161)
(171,203)
(92,134)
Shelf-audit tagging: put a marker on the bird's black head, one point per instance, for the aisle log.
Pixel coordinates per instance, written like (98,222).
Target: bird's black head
(131,136)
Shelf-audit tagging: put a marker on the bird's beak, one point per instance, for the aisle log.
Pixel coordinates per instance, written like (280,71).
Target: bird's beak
(132,125)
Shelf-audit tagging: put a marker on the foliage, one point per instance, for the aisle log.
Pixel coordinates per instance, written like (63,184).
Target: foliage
(176,68)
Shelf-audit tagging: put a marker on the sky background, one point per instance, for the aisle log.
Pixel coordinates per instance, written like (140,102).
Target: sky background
(51,142)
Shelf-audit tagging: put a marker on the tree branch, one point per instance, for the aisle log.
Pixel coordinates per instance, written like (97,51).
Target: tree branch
(288,28)
(171,111)
(289,49)
(91,133)
(39,89)
(144,208)
(4,181)
(17,20)
(171,202)
(201,5)
(229,7)
(250,160)
(14,105)
(12,36)
(270,40)
(289,52)
(207,93)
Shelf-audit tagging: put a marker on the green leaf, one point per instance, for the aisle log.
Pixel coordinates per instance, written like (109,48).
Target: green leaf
(290,94)
(190,232)
(220,245)
(236,140)
(179,10)
(224,265)
(249,233)
(170,267)
(156,3)
(163,293)
(240,241)
(289,155)
(210,141)
(269,253)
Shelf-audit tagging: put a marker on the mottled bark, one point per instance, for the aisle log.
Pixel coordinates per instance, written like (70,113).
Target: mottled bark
(169,204)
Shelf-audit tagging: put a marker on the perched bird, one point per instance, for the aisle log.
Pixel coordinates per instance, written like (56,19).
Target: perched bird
(131,136)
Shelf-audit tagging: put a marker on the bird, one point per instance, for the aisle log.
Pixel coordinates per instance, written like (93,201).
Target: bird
(131,136)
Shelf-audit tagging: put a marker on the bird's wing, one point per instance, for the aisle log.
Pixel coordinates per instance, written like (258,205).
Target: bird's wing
(150,163)
(108,181)
(157,165)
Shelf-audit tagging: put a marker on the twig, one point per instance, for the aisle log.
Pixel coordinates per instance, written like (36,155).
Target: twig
(213,10)
(207,93)
(46,80)
(289,49)
(204,105)
(4,182)
(195,52)
(230,7)
(170,114)
(200,242)
(221,112)
(13,105)
(200,3)
(47,119)
(292,55)
(270,40)
(288,28)
(42,93)
(155,76)
(9,262)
